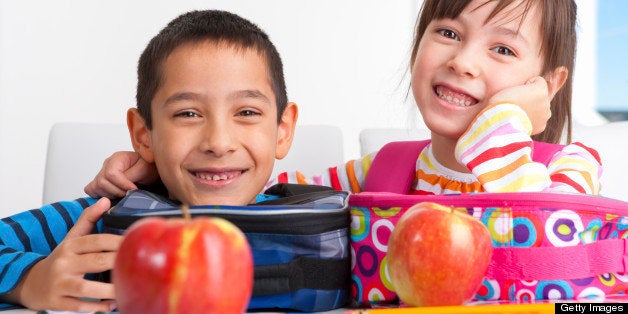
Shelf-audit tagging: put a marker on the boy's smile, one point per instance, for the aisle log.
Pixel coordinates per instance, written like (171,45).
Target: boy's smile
(461,63)
(215,134)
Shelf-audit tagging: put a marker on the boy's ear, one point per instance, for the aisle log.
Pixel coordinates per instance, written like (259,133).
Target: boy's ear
(556,79)
(285,131)
(140,135)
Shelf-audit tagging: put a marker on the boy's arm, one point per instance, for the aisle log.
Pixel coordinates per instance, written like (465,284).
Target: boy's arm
(497,149)
(29,236)
(56,281)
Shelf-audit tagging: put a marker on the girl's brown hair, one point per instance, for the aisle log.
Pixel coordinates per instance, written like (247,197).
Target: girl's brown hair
(558,31)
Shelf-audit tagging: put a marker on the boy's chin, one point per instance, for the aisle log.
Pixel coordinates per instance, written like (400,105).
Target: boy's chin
(238,200)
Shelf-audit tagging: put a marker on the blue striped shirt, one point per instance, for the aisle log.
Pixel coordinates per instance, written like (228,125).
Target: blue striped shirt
(28,237)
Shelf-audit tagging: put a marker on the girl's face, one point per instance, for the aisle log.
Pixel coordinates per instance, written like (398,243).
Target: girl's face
(460,63)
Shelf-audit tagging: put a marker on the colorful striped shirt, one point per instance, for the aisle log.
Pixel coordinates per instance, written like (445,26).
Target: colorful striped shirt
(497,150)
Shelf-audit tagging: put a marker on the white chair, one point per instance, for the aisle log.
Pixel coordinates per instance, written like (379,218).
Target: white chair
(607,139)
(76,152)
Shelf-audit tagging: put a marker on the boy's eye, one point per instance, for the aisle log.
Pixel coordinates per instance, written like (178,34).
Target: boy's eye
(248,112)
(504,51)
(448,34)
(186,114)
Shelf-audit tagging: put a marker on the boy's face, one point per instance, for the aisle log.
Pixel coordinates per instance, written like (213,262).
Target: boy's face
(462,62)
(215,134)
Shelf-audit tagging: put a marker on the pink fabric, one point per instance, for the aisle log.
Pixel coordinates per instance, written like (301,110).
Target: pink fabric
(571,262)
(546,245)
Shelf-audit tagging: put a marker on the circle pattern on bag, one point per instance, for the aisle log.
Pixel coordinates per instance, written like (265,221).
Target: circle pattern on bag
(554,290)
(563,228)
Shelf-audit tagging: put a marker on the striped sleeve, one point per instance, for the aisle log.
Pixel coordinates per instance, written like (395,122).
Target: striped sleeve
(497,149)
(29,236)
(346,177)
(577,169)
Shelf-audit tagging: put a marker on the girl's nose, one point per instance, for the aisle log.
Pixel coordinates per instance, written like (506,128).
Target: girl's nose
(465,62)
(217,139)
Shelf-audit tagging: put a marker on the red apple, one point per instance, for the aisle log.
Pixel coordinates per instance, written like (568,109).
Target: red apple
(437,255)
(203,265)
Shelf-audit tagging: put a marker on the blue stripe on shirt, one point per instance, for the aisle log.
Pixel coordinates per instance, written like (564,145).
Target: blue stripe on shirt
(69,222)
(43,223)
(18,238)
(14,271)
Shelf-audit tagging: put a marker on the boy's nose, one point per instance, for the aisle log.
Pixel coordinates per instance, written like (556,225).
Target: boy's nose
(217,139)
(465,62)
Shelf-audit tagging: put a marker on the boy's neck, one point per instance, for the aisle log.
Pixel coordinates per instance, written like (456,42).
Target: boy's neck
(444,151)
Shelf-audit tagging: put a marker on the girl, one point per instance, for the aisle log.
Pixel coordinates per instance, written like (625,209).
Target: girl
(488,76)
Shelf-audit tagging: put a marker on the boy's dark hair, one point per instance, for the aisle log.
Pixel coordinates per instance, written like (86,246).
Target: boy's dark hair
(198,26)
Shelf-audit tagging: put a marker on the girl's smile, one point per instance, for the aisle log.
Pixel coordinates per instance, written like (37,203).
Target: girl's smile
(455,97)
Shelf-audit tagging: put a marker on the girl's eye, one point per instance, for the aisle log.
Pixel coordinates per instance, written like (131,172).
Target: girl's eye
(186,114)
(447,33)
(504,51)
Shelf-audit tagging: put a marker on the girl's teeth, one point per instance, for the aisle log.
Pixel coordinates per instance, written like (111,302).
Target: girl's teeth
(454,100)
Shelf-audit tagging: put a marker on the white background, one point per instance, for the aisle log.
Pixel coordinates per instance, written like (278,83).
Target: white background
(345,64)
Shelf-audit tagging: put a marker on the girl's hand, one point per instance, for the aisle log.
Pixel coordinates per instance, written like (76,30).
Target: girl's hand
(118,174)
(533,97)
(57,283)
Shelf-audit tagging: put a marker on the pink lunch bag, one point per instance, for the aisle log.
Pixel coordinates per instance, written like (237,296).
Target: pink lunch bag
(546,245)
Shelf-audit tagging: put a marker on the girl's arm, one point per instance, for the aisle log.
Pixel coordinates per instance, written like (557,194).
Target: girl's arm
(497,149)
(347,177)
(576,168)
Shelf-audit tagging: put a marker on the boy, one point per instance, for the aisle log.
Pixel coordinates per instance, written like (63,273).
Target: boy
(212,115)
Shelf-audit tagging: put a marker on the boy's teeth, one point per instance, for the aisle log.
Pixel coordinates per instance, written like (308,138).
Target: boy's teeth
(214,177)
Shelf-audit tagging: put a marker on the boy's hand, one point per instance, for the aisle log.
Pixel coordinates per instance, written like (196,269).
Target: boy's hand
(57,283)
(118,174)
(533,98)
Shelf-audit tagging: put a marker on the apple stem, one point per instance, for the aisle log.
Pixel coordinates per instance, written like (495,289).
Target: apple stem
(186,212)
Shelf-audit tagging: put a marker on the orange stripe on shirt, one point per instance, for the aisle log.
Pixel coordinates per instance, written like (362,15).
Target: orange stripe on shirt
(353,181)
(301,178)
(507,169)
(445,184)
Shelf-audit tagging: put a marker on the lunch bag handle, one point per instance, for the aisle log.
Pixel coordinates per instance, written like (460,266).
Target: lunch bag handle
(394,166)
(568,262)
